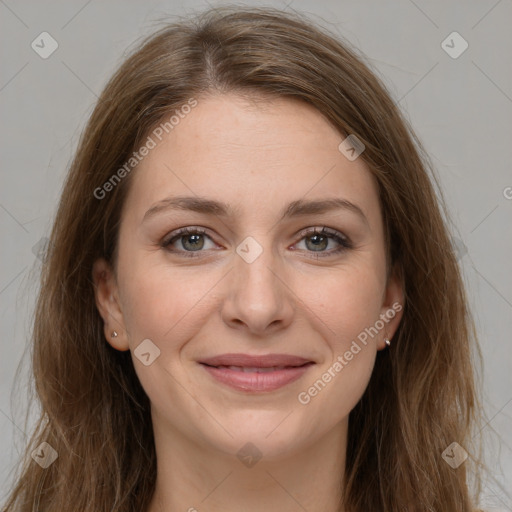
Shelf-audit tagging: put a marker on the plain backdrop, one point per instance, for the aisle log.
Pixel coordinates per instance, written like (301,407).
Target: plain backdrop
(461,108)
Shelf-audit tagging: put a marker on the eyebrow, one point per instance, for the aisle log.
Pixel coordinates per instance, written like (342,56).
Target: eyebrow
(217,208)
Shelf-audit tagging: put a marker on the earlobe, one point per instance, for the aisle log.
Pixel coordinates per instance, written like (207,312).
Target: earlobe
(107,302)
(392,308)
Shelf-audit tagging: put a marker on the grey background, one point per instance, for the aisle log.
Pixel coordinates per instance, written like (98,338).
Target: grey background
(461,109)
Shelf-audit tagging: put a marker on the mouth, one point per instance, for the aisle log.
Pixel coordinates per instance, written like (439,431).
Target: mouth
(256,373)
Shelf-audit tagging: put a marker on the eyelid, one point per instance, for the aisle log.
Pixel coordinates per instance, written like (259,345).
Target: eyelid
(339,237)
(177,233)
(324,230)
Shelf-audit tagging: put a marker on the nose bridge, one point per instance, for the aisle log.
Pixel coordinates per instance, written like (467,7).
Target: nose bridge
(257,278)
(257,296)
(257,283)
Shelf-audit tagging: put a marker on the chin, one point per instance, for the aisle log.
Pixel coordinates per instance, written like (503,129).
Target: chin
(274,435)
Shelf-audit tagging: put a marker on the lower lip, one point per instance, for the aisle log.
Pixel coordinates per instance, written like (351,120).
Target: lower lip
(254,382)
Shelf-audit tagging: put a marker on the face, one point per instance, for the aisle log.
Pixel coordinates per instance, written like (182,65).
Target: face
(252,262)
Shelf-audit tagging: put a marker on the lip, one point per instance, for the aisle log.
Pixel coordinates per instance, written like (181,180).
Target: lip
(262,373)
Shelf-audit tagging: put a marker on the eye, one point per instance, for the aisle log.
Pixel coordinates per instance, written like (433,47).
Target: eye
(189,239)
(317,240)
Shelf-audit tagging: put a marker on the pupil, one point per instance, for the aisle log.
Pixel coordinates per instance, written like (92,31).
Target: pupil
(317,243)
(196,242)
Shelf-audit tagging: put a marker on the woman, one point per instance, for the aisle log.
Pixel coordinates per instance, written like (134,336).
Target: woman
(251,301)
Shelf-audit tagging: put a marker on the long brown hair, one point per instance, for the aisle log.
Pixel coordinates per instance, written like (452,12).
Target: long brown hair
(422,395)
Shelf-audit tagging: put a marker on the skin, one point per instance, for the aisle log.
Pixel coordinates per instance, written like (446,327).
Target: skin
(257,157)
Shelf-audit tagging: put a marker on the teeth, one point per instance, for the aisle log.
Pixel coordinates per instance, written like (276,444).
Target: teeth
(247,369)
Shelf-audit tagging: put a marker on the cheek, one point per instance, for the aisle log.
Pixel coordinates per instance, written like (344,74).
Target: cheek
(162,303)
(347,300)
(346,304)
(349,305)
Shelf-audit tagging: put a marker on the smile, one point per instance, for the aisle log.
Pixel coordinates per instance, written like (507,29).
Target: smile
(256,373)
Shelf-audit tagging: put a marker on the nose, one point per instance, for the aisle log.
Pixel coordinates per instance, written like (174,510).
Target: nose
(258,299)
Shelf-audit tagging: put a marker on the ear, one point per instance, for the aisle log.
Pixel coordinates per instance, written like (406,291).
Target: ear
(107,302)
(392,307)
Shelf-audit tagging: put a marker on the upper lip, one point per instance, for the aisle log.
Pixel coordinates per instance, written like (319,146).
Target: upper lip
(263,361)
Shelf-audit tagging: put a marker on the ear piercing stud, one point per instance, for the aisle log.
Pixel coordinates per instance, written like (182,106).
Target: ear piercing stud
(114,334)
(388,342)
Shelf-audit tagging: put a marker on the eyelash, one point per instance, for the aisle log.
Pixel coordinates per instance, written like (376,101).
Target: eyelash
(342,240)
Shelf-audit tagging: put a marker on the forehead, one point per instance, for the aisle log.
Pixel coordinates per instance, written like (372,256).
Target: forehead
(253,155)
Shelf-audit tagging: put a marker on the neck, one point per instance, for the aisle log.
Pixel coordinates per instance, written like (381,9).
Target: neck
(196,477)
